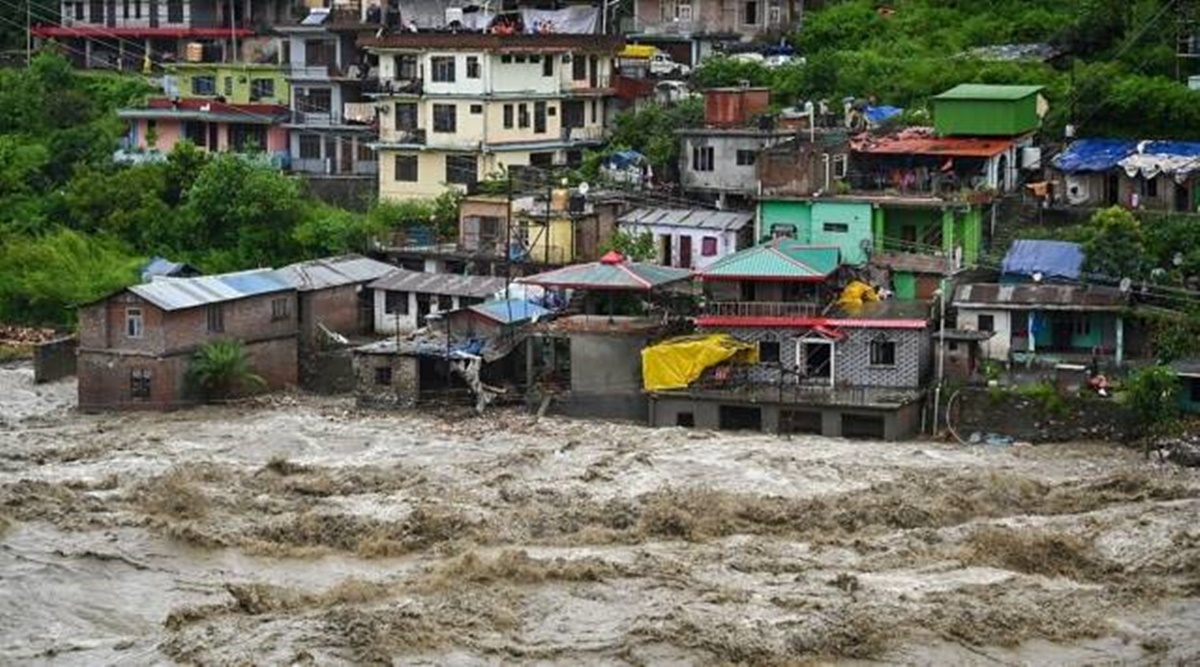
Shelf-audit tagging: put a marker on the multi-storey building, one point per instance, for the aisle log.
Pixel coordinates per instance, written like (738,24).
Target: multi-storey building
(456,108)
(121,34)
(332,125)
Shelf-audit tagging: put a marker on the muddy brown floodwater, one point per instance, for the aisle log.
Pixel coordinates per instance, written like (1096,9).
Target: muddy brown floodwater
(297,530)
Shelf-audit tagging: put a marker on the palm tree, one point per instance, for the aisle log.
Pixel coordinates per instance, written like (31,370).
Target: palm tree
(221,369)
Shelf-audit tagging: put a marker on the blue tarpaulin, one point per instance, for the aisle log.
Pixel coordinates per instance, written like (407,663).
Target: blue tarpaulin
(624,159)
(1093,155)
(1052,259)
(877,115)
(509,311)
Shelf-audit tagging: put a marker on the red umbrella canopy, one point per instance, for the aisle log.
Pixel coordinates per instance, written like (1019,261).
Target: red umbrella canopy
(612,273)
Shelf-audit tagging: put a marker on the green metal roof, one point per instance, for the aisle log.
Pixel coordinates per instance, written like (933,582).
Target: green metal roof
(783,259)
(984,91)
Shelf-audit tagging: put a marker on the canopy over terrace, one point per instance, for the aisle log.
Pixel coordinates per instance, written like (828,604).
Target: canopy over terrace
(612,273)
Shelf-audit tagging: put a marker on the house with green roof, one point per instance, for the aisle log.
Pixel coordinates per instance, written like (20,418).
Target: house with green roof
(824,364)
(977,109)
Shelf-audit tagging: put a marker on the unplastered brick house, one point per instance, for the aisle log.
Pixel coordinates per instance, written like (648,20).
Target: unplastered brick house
(135,346)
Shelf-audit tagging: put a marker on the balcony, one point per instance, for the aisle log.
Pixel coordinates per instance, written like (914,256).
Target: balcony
(760,309)
(595,85)
(414,137)
(583,134)
(393,87)
(352,116)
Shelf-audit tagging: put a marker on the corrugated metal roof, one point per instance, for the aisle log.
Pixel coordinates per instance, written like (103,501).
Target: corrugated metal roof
(507,311)
(686,217)
(333,272)
(612,276)
(783,259)
(923,141)
(403,280)
(986,91)
(181,293)
(1039,297)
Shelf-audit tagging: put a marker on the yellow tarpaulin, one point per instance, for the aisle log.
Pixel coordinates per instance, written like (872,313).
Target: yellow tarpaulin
(637,51)
(678,362)
(856,294)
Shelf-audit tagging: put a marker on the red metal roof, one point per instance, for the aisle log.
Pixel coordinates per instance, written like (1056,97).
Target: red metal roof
(101,31)
(809,322)
(196,103)
(922,141)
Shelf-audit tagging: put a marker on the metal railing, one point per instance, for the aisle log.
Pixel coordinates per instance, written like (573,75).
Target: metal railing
(760,309)
(589,83)
(583,133)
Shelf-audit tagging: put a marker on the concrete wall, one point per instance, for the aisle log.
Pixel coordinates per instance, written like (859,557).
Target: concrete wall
(390,323)
(606,378)
(726,175)
(829,421)
(1035,419)
(55,359)
(726,243)
(1000,344)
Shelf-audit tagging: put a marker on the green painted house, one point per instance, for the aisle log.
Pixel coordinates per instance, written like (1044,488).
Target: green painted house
(237,83)
(975,109)
(856,225)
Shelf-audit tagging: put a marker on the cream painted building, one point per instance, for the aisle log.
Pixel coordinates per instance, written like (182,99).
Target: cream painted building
(456,108)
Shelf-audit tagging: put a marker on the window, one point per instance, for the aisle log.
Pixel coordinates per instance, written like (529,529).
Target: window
(520,60)
(746,158)
(406,168)
(523,115)
(443,69)
(595,113)
(133,322)
(280,309)
(383,376)
(1151,186)
(541,160)
(683,10)
(445,302)
(261,89)
(472,67)
(685,419)
(836,227)
(406,67)
(839,165)
(310,147)
(314,100)
(227,86)
(476,109)
(506,59)
(395,303)
(137,9)
(551,110)
(708,246)
(768,351)
(539,117)
(406,116)
(365,154)
(125,9)
(174,11)
(462,169)
(508,116)
(1081,325)
(216,318)
(195,132)
(548,66)
(750,13)
(204,85)
(445,118)
(774,15)
(883,353)
(139,383)
(248,137)
(535,58)
(79,11)
(987,323)
(702,158)
(319,53)
(579,68)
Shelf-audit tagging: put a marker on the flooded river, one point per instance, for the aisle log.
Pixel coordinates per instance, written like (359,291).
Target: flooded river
(297,530)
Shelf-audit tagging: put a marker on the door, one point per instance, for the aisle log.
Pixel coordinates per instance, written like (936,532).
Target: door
(212,137)
(593,72)
(423,307)
(665,254)
(685,252)
(740,418)
(1061,331)
(331,162)
(110,14)
(346,158)
(1182,200)
(539,117)
(153,9)
(1112,190)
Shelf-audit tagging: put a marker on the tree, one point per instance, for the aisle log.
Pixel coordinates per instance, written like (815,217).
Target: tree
(1114,246)
(1151,396)
(636,247)
(221,370)
(327,230)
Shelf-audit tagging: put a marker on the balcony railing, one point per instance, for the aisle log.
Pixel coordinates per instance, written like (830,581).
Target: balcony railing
(582,133)
(392,86)
(591,83)
(352,116)
(760,309)
(416,137)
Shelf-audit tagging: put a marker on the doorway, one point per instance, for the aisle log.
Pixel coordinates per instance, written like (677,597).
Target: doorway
(685,252)
(1112,190)
(665,254)
(423,308)
(740,418)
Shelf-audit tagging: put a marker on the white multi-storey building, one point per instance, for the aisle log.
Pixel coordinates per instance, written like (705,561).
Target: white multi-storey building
(456,108)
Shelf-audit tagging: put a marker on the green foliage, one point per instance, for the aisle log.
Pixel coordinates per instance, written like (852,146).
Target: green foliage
(1114,246)
(1046,396)
(1151,395)
(651,131)
(1174,337)
(43,278)
(326,230)
(221,370)
(635,247)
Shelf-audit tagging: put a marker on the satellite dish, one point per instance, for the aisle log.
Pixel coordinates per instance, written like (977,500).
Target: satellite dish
(1126,284)
(584,188)
(1037,276)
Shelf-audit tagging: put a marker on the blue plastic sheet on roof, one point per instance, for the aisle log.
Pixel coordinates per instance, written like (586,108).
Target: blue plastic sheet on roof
(624,159)
(507,311)
(1052,259)
(1094,154)
(876,115)
(1181,148)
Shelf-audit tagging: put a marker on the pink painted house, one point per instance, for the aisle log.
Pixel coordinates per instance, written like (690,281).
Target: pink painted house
(209,124)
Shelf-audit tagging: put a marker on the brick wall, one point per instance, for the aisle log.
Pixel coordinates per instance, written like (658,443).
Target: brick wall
(54,359)
(852,359)
(337,308)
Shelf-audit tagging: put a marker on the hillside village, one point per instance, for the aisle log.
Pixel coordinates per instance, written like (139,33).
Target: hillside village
(582,312)
(837,269)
